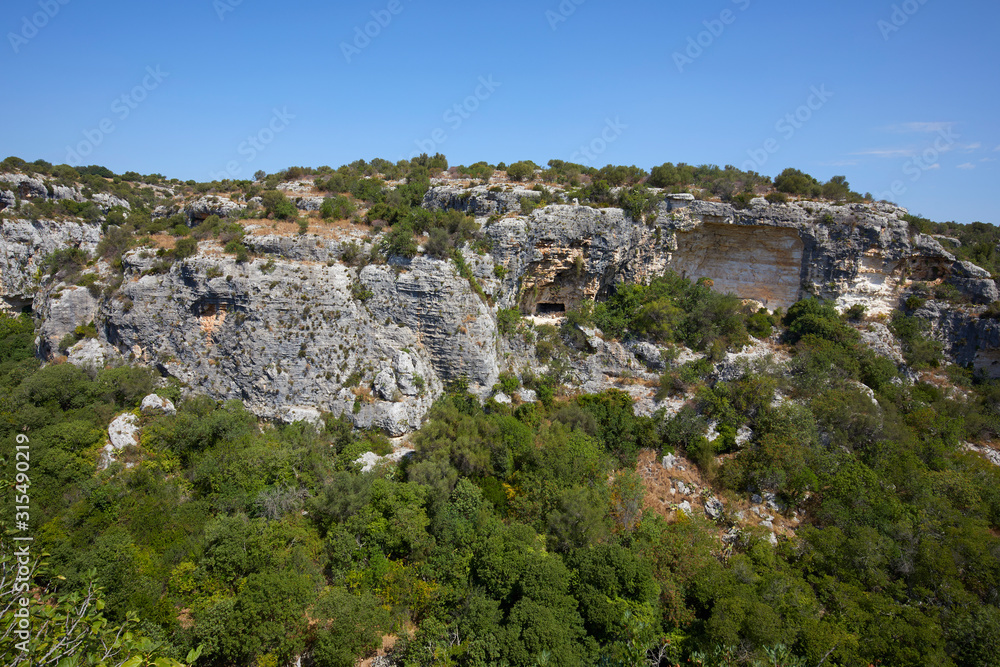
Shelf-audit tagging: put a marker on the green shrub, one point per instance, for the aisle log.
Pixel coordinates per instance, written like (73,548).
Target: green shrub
(185,247)
(238,249)
(519,171)
(508,320)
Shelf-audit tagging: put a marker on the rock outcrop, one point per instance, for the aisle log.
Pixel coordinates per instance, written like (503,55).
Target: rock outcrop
(296,332)
(303,334)
(204,207)
(479,200)
(25,244)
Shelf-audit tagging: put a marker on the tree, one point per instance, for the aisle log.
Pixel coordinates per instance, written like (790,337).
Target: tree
(519,171)
(399,242)
(276,204)
(185,247)
(69,628)
(796,182)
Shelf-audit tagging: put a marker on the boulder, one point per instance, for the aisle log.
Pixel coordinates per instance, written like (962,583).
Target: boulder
(297,413)
(157,405)
(526,395)
(405,374)
(713,508)
(124,431)
(204,207)
(385,384)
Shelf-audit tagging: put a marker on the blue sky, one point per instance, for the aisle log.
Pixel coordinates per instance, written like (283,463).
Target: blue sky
(901,97)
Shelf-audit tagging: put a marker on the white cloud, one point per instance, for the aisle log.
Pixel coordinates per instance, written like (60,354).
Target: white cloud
(888,152)
(997,148)
(972,147)
(919,127)
(967,165)
(987,159)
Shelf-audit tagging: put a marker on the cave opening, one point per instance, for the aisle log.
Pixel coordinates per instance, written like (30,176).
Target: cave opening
(550,309)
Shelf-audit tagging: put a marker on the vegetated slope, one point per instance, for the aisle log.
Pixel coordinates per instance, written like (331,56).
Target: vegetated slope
(818,499)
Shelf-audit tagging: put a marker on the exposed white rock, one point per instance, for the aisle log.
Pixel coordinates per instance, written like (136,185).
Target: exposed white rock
(91,353)
(405,374)
(156,405)
(124,430)
(991,455)
(713,508)
(368,461)
(526,395)
(385,384)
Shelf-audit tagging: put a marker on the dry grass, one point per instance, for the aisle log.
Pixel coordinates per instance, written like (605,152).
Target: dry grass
(336,230)
(662,496)
(164,240)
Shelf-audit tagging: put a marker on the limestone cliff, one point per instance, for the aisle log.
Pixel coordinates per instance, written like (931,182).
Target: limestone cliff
(773,254)
(296,330)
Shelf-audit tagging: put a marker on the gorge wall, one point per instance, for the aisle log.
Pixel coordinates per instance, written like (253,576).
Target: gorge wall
(297,330)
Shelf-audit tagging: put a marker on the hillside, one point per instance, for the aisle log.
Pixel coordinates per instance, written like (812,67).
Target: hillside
(506,415)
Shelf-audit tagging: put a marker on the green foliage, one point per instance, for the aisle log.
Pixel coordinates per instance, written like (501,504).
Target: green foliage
(673,309)
(66,263)
(71,628)
(508,320)
(238,249)
(185,247)
(399,241)
(919,350)
(519,171)
(795,182)
(277,205)
(337,208)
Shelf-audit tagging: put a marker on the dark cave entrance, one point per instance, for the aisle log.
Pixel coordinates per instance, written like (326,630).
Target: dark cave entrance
(550,309)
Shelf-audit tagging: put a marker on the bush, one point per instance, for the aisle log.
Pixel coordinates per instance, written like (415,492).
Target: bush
(399,242)
(796,182)
(185,247)
(238,249)
(519,171)
(277,205)
(508,320)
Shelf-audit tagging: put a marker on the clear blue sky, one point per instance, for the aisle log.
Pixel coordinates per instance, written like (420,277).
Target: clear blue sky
(915,107)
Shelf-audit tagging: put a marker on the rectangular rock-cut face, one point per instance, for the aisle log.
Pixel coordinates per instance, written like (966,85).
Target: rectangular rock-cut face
(753,262)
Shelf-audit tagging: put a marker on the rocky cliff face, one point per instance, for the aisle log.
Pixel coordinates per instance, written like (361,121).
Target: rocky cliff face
(296,330)
(25,244)
(375,344)
(773,254)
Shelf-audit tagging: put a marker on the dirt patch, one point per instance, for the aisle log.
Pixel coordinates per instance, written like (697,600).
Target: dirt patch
(337,230)
(164,240)
(667,488)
